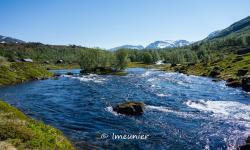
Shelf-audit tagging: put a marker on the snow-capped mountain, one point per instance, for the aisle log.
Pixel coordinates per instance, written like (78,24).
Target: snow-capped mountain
(138,47)
(5,39)
(156,45)
(167,44)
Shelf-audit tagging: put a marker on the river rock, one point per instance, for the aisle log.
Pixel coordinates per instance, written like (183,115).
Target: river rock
(129,108)
(234,83)
(173,65)
(215,72)
(216,80)
(69,73)
(246,84)
(231,79)
(242,72)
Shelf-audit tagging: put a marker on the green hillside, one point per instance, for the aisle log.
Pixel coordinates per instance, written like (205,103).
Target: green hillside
(238,28)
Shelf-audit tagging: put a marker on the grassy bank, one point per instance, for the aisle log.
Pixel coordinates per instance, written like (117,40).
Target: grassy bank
(16,129)
(18,72)
(19,131)
(227,67)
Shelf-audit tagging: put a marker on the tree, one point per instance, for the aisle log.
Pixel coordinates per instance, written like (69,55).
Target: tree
(247,40)
(155,56)
(121,59)
(88,60)
(147,58)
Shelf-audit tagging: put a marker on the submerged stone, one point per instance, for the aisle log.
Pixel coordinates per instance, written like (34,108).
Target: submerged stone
(216,80)
(69,73)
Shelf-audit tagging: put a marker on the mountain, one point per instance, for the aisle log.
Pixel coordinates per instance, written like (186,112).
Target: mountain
(167,44)
(138,47)
(237,28)
(213,34)
(5,39)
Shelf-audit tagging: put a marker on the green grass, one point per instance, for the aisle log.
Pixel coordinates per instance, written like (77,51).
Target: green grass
(25,133)
(229,66)
(11,73)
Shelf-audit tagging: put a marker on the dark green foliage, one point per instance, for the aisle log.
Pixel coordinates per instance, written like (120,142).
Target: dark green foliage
(40,52)
(147,58)
(121,59)
(100,61)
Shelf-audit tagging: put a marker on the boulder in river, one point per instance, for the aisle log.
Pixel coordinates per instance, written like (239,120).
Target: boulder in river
(216,80)
(246,84)
(129,108)
(69,73)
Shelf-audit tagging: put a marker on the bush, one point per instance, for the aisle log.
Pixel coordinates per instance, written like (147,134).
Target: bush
(2,60)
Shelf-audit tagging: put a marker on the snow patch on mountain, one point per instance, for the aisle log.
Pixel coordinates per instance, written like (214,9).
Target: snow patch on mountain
(137,47)
(167,44)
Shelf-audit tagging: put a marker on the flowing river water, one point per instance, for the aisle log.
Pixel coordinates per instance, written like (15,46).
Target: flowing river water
(181,112)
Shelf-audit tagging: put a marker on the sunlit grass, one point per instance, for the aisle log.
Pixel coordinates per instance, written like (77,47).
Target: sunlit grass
(25,133)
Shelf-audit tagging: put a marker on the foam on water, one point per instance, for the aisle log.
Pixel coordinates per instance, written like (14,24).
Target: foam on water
(147,73)
(163,95)
(159,108)
(228,109)
(169,110)
(110,109)
(87,78)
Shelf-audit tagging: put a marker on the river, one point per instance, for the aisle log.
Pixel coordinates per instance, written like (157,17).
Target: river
(182,112)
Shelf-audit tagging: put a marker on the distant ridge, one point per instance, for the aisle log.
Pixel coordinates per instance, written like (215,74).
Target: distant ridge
(167,44)
(137,47)
(9,40)
(239,27)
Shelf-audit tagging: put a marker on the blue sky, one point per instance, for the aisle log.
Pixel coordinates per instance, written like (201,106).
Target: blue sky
(110,23)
